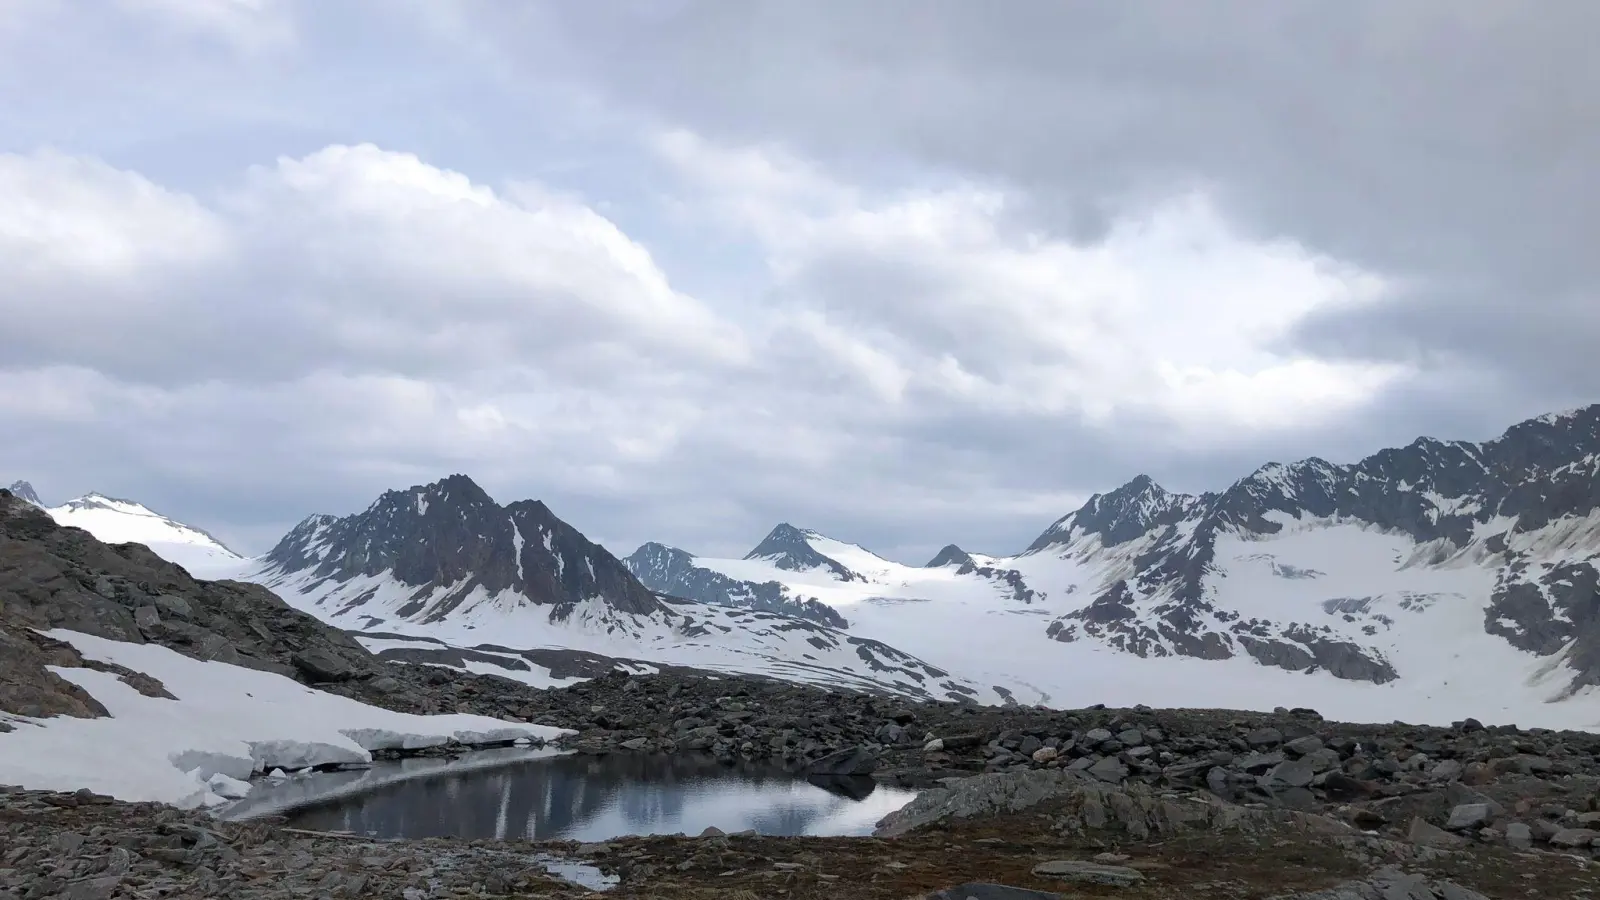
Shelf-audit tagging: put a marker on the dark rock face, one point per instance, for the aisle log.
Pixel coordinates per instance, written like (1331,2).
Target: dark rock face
(1125,514)
(669,570)
(787,548)
(1448,496)
(24,491)
(451,536)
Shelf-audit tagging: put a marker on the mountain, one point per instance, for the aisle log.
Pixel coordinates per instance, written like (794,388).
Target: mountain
(789,548)
(444,549)
(117,521)
(1355,570)
(24,491)
(1431,582)
(673,571)
(442,572)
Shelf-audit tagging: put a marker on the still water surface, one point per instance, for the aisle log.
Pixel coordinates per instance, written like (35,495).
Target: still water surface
(539,796)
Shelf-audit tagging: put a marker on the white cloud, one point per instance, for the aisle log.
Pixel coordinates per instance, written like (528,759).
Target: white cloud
(67,217)
(362,317)
(942,292)
(351,257)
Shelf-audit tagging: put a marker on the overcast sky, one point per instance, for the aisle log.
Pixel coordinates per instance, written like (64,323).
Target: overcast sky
(904,271)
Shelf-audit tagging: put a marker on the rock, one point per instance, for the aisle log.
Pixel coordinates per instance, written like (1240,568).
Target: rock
(321,665)
(1109,769)
(1468,815)
(1264,737)
(1044,754)
(1448,770)
(1293,773)
(1519,835)
(1574,838)
(1429,835)
(637,743)
(934,746)
(1301,746)
(850,761)
(1089,873)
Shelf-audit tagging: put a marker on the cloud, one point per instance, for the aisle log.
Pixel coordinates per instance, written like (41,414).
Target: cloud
(941,292)
(1439,144)
(906,272)
(352,259)
(361,316)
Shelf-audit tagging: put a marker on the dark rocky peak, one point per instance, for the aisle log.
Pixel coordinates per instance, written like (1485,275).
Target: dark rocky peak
(450,538)
(24,491)
(1119,516)
(789,548)
(456,495)
(1546,443)
(951,555)
(665,561)
(556,561)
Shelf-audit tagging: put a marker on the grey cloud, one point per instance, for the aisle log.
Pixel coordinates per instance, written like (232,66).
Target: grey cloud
(1449,145)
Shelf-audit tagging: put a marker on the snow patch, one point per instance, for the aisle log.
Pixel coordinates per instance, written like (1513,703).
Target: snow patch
(227,721)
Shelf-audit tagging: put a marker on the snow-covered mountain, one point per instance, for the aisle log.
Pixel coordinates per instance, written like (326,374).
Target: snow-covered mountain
(444,566)
(25,491)
(673,571)
(1430,582)
(115,521)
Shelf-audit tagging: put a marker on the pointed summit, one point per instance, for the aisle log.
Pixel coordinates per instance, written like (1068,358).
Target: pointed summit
(951,555)
(448,546)
(790,548)
(24,491)
(1118,516)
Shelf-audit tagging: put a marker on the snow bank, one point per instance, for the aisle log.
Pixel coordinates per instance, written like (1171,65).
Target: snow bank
(227,724)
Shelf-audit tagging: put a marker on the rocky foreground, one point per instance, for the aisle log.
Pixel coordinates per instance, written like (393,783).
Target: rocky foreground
(1088,803)
(1023,833)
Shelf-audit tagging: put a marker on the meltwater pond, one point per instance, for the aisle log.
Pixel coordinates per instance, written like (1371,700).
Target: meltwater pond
(520,794)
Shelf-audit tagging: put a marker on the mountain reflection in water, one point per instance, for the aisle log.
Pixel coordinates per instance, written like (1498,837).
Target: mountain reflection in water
(591,798)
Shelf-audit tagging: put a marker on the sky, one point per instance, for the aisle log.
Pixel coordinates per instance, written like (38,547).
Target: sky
(908,272)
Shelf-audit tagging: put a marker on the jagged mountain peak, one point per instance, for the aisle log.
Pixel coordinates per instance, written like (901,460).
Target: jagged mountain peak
(1119,515)
(24,491)
(449,544)
(454,492)
(951,555)
(791,548)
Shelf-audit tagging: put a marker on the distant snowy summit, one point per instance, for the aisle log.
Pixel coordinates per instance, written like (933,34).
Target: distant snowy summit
(669,570)
(115,521)
(24,491)
(790,548)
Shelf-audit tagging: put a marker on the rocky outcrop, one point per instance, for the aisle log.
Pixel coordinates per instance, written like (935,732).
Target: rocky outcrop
(53,577)
(669,570)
